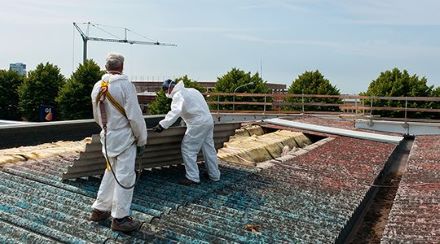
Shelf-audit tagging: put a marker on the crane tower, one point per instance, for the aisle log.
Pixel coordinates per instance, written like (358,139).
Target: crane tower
(87,38)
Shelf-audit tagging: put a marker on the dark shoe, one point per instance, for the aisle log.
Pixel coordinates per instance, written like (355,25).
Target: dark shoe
(126,224)
(206,176)
(187,182)
(98,215)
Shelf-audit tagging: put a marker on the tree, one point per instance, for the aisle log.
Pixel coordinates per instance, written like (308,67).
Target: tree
(436,92)
(395,83)
(162,104)
(74,100)
(313,82)
(39,88)
(238,81)
(9,83)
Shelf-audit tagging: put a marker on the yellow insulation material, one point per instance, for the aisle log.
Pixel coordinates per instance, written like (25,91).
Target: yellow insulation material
(302,140)
(241,132)
(13,155)
(254,130)
(287,137)
(246,150)
(247,131)
(254,149)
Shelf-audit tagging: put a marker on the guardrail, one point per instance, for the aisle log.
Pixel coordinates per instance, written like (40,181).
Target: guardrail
(403,107)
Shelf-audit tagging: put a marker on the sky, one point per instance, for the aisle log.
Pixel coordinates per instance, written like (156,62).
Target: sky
(349,41)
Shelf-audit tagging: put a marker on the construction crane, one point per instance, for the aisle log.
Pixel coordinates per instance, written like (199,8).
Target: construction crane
(87,38)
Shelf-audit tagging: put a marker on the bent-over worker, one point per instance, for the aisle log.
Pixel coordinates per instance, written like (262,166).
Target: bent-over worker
(190,105)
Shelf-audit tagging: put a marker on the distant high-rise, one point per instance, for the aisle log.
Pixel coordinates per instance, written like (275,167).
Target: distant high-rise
(20,68)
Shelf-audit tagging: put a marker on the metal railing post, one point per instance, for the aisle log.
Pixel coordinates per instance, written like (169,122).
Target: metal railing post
(233,103)
(264,111)
(356,106)
(218,103)
(302,101)
(406,107)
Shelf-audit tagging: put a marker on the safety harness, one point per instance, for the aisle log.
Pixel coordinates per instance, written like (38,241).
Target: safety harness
(104,94)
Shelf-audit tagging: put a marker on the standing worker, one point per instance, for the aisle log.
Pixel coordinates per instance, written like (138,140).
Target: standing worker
(124,135)
(190,104)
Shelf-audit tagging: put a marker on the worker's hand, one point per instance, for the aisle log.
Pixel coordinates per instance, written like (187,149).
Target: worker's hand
(158,128)
(140,151)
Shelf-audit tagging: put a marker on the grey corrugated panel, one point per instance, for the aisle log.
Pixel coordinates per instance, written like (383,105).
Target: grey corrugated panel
(211,225)
(185,227)
(150,150)
(56,219)
(39,228)
(162,149)
(92,167)
(10,233)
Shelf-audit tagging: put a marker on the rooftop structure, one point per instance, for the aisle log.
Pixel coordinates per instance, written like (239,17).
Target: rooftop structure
(314,194)
(20,68)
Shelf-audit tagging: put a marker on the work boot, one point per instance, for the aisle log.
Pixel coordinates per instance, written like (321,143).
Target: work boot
(126,224)
(206,176)
(187,182)
(98,215)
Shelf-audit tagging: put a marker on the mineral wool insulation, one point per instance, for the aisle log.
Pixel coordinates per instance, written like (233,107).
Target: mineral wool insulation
(250,145)
(46,150)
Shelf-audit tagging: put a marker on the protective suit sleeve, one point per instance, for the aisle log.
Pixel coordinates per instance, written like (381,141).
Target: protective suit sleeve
(174,114)
(94,106)
(134,115)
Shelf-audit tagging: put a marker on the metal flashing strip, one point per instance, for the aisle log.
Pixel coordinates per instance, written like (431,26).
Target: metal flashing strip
(337,131)
(409,128)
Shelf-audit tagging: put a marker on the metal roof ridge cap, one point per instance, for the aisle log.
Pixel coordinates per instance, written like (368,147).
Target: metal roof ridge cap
(337,131)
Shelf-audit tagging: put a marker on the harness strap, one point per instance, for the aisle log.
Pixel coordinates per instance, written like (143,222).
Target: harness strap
(105,93)
(102,95)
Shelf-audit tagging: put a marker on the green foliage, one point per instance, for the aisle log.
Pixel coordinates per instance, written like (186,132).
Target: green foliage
(436,92)
(39,88)
(313,82)
(162,104)
(9,83)
(74,100)
(395,83)
(237,81)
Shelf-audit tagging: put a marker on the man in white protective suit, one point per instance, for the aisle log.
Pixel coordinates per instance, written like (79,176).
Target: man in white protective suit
(123,136)
(190,105)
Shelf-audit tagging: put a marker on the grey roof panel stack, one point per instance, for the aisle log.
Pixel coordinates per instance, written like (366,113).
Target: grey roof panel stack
(163,149)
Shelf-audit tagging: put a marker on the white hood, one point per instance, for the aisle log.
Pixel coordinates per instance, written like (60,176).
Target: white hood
(178,87)
(113,77)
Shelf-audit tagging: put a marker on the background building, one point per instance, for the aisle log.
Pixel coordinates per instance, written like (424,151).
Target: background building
(20,68)
(154,86)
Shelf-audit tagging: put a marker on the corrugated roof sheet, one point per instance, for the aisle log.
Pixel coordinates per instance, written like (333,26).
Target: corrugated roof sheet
(308,199)
(415,215)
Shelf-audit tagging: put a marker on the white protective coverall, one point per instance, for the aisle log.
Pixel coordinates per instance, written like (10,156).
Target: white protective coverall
(190,105)
(122,138)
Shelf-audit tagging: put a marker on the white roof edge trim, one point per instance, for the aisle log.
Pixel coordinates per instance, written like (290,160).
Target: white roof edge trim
(337,131)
